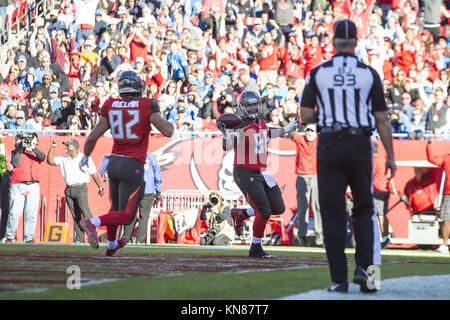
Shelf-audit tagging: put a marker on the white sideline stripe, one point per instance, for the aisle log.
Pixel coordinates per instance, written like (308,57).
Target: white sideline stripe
(397,252)
(405,288)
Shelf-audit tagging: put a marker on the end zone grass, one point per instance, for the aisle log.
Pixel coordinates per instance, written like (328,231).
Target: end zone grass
(183,272)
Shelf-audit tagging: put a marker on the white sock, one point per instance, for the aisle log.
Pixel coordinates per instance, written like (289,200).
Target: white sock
(256,240)
(384,238)
(96,222)
(112,244)
(250,212)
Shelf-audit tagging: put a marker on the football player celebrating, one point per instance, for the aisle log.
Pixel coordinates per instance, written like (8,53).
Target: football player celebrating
(129,118)
(250,141)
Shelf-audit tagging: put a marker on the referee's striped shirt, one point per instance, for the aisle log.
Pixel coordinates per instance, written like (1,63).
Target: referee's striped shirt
(346,91)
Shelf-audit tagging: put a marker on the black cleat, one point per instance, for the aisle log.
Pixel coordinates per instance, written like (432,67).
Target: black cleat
(366,283)
(341,287)
(256,251)
(385,243)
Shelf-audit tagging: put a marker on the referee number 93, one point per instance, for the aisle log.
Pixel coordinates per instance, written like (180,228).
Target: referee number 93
(348,79)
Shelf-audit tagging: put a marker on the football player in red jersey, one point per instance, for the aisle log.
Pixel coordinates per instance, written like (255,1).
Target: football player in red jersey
(250,142)
(129,118)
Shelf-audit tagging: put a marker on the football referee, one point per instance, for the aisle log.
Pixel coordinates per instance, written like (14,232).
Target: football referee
(350,105)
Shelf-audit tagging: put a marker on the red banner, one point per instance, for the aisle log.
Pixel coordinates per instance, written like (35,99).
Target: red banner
(201,164)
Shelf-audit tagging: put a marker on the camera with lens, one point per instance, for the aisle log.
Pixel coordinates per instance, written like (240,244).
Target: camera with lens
(214,199)
(25,140)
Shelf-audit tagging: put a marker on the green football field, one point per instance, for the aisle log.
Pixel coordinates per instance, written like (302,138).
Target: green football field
(158,272)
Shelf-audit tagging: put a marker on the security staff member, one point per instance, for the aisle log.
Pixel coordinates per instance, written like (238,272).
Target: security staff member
(350,104)
(76,192)
(152,193)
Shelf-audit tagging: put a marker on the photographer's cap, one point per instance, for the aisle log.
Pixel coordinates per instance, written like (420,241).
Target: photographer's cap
(311,126)
(72,142)
(345,29)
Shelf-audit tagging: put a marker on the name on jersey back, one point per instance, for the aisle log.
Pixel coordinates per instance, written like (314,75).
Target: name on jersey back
(125,104)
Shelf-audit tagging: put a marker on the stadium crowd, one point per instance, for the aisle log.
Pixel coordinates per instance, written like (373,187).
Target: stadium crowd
(195,57)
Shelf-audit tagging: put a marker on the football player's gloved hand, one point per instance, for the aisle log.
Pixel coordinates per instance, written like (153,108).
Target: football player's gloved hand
(291,126)
(84,163)
(221,126)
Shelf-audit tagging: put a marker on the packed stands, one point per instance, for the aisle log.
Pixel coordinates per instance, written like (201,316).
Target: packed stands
(61,59)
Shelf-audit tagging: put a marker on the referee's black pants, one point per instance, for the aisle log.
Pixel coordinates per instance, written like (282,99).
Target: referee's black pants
(341,162)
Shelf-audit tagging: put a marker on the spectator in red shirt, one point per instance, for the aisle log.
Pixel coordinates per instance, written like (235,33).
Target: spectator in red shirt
(268,58)
(138,41)
(307,188)
(293,62)
(11,83)
(220,52)
(421,190)
(313,52)
(60,47)
(442,160)
(73,70)
(382,188)
(359,12)
(410,47)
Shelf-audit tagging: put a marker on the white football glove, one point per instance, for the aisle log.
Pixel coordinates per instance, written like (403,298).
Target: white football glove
(221,126)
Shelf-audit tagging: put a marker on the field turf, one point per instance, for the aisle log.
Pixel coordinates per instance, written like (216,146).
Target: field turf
(182,272)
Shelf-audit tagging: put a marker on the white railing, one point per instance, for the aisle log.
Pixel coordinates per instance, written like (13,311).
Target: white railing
(196,134)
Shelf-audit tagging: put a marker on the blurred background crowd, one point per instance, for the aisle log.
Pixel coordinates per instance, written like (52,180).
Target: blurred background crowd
(197,55)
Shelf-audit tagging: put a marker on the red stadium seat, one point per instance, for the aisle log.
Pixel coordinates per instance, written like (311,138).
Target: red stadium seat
(23,13)
(14,17)
(6,26)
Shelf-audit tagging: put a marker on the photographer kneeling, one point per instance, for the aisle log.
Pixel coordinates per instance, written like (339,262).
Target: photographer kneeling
(24,186)
(217,213)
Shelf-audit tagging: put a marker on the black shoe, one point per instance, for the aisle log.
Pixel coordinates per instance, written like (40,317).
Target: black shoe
(366,283)
(300,241)
(256,251)
(304,242)
(338,287)
(385,243)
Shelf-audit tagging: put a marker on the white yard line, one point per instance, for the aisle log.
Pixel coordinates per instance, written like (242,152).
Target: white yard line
(405,288)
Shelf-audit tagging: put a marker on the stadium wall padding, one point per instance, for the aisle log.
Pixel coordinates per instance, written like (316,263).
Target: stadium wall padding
(200,164)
